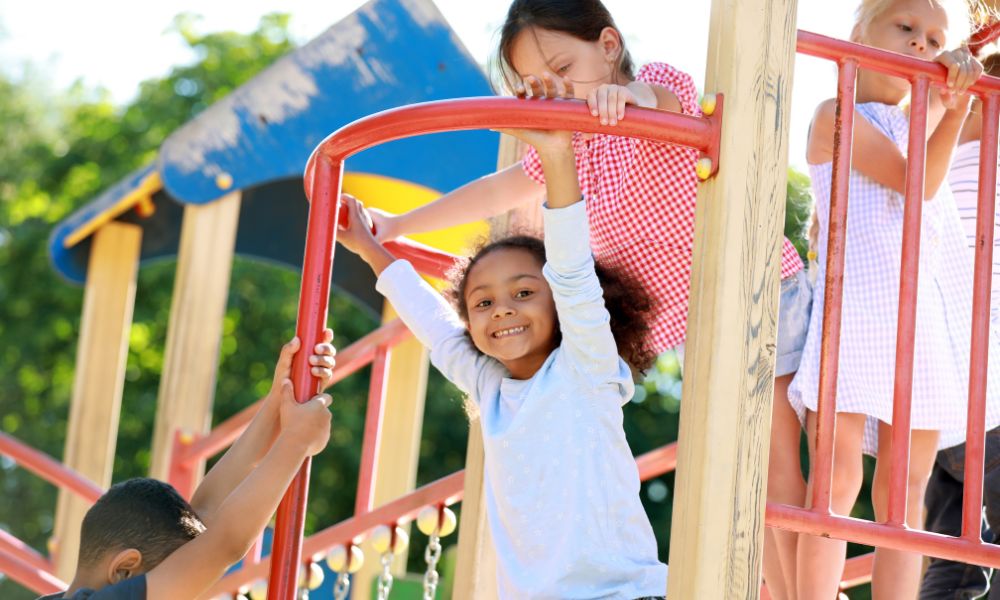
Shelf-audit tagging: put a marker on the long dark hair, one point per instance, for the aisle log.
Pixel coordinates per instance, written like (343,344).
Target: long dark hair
(630,306)
(582,19)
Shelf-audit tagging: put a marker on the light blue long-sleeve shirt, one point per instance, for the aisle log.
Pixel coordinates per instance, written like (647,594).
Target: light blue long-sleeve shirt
(562,488)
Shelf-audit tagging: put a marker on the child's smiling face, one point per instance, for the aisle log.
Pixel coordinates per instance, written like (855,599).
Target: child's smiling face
(511,314)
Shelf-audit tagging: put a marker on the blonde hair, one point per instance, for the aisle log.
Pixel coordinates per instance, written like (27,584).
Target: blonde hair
(962,14)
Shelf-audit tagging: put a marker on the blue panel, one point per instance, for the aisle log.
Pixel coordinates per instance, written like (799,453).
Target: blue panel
(72,262)
(389,53)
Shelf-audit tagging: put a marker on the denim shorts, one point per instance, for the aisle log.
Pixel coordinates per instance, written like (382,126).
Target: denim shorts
(794,312)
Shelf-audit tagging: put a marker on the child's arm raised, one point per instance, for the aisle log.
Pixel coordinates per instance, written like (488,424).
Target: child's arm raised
(431,319)
(584,320)
(877,157)
(198,564)
(258,437)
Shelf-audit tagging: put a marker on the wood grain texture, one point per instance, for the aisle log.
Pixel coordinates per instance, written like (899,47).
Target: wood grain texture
(109,298)
(718,519)
(475,570)
(191,358)
(399,451)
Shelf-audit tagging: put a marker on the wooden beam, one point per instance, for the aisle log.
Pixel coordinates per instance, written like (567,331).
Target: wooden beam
(399,453)
(718,519)
(475,571)
(92,431)
(187,387)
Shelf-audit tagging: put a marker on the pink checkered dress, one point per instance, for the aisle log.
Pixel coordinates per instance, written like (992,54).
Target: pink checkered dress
(641,200)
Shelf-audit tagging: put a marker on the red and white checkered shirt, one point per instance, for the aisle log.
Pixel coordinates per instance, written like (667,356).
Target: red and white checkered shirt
(640,200)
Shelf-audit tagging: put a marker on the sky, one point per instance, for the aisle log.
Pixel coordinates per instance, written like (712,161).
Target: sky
(80,41)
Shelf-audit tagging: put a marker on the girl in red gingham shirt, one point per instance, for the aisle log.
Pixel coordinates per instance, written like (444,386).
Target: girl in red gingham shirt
(640,195)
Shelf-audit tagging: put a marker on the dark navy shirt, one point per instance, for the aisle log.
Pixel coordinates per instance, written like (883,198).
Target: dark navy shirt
(133,588)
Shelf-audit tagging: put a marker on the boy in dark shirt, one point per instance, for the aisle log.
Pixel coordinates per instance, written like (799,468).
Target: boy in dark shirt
(142,540)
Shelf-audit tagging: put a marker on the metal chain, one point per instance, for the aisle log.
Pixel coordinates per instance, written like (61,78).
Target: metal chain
(342,586)
(385,577)
(432,555)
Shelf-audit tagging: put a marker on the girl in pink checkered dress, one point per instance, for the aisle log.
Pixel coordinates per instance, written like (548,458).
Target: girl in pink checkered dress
(640,195)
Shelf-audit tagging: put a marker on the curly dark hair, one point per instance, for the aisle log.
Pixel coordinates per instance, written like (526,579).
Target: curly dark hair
(630,306)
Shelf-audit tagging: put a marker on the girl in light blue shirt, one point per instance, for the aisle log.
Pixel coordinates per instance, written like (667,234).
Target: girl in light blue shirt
(538,345)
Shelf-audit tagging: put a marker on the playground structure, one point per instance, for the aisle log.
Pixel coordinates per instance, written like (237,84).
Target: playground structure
(721,454)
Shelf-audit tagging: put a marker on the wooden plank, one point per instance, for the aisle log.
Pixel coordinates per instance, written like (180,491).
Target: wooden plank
(718,518)
(399,452)
(187,386)
(92,432)
(475,570)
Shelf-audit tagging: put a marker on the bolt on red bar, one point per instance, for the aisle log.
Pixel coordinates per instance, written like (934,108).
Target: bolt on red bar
(833,293)
(323,176)
(979,352)
(906,321)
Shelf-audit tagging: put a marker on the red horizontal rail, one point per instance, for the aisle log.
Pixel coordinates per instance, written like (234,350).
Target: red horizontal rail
(37,580)
(15,547)
(349,361)
(48,468)
(446,491)
(882,536)
(891,63)
(506,113)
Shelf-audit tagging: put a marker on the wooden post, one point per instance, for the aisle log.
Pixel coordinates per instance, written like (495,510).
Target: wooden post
(187,387)
(475,570)
(101,355)
(402,423)
(718,519)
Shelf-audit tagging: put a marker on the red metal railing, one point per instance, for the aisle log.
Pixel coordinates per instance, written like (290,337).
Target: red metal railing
(21,562)
(893,533)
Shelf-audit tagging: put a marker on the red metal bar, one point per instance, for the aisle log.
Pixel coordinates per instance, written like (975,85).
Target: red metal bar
(365,498)
(883,536)
(975,434)
(181,473)
(701,133)
(857,571)
(37,580)
(826,417)
(906,324)
(48,468)
(18,549)
(349,361)
(313,306)
(905,67)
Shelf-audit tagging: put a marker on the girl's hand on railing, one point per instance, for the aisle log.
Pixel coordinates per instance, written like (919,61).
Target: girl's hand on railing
(356,235)
(544,87)
(387,225)
(963,71)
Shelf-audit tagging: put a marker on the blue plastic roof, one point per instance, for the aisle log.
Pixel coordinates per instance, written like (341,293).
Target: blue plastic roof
(388,53)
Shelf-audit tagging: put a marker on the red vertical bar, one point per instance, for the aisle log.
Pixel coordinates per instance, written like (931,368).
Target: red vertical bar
(975,434)
(843,136)
(373,432)
(906,322)
(314,300)
(181,472)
